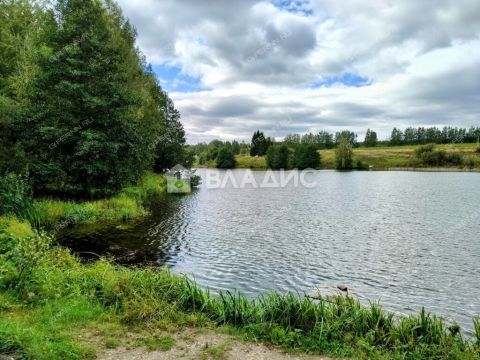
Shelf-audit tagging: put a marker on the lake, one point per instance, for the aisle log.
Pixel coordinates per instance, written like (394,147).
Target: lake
(406,239)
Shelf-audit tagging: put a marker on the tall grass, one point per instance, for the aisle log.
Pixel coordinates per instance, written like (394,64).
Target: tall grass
(16,198)
(125,206)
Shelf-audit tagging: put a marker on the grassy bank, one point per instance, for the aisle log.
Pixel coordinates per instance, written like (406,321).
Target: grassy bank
(379,158)
(48,299)
(128,204)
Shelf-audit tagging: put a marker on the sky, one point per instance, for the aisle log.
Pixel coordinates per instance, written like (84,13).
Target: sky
(299,66)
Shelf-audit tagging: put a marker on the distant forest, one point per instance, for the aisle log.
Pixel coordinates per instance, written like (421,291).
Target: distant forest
(326,140)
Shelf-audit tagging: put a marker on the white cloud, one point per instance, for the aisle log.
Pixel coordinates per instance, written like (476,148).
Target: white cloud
(421,57)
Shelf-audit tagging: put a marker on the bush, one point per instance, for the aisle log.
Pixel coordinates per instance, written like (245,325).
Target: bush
(16,198)
(430,157)
(225,159)
(477,150)
(424,149)
(277,157)
(306,156)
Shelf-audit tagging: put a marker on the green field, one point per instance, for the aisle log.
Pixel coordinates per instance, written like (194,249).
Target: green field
(377,158)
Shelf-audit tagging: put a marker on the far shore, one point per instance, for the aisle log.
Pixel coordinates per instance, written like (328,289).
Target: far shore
(379,158)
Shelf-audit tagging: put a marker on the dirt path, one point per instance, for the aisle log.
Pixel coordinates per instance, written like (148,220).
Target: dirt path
(198,344)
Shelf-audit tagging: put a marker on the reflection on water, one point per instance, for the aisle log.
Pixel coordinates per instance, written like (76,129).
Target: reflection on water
(407,239)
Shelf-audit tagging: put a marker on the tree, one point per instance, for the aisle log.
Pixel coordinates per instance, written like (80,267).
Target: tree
(225,159)
(370,138)
(324,140)
(278,156)
(91,116)
(344,154)
(396,138)
(306,156)
(292,139)
(236,147)
(170,147)
(349,135)
(20,23)
(259,144)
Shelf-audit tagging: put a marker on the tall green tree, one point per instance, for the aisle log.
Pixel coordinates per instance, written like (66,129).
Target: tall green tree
(20,23)
(370,138)
(324,140)
(349,135)
(396,138)
(86,130)
(170,147)
(278,157)
(259,144)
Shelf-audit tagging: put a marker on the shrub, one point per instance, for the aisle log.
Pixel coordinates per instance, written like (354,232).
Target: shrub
(225,159)
(306,156)
(477,150)
(430,157)
(424,149)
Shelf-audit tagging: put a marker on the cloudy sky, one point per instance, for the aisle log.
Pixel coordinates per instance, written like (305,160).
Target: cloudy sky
(290,66)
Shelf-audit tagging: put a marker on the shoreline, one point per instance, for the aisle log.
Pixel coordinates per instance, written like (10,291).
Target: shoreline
(45,281)
(406,169)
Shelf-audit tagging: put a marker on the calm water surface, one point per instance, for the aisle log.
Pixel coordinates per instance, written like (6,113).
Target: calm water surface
(407,239)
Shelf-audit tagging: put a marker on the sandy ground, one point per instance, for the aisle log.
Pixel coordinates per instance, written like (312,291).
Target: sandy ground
(204,344)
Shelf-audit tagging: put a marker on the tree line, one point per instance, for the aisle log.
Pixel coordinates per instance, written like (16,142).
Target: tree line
(81,110)
(409,136)
(301,151)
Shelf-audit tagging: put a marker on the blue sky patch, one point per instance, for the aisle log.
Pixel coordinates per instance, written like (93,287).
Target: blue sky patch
(172,80)
(294,6)
(347,79)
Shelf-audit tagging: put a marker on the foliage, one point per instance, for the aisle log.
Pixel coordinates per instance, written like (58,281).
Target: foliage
(350,136)
(344,154)
(430,157)
(225,159)
(79,107)
(260,144)
(306,156)
(127,205)
(370,138)
(396,138)
(16,198)
(446,135)
(170,148)
(278,157)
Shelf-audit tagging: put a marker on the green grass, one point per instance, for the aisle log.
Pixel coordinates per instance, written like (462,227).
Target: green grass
(125,206)
(160,343)
(251,162)
(47,297)
(378,158)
